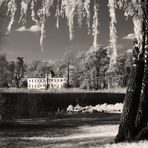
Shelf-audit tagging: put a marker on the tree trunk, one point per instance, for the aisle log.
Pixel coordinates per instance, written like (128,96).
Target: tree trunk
(68,75)
(132,99)
(142,118)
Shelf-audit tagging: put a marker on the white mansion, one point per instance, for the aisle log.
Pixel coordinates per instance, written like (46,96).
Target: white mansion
(45,82)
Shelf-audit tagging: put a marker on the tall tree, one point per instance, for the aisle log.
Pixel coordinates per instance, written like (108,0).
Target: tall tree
(3,70)
(133,118)
(68,60)
(19,71)
(3,25)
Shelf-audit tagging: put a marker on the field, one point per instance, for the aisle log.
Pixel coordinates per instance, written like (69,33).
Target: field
(95,130)
(70,90)
(78,130)
(60,129)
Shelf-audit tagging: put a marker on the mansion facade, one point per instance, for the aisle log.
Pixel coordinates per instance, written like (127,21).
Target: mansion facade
(47,82)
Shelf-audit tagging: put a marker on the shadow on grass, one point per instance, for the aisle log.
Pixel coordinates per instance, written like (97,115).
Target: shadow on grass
(85,126)
(61,121)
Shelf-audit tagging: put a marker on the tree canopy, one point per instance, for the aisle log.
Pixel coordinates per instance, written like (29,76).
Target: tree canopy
(76,11)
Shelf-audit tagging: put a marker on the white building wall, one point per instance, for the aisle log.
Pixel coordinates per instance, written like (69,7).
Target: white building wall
(41,83)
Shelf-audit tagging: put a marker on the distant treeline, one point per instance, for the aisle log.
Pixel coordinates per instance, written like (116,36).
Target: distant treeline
(85,69)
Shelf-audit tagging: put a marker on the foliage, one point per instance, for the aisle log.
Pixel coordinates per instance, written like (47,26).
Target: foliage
(78,10)
(19,71)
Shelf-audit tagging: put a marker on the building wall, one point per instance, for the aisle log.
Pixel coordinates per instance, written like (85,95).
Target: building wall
(41,83)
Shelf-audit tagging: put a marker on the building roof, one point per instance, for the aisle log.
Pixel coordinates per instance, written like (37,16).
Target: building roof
(35,77)
(45,77)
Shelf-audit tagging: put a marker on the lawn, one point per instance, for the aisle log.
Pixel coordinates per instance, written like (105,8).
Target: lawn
(78,130)
(62,131)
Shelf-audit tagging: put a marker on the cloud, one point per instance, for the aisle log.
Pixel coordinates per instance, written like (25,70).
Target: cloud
(129,37)
(22,29)
(34,28)
(119,46)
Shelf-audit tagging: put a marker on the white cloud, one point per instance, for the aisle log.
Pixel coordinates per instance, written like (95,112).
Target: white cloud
(129,37)
(21,29)
(119,46)
(34,28)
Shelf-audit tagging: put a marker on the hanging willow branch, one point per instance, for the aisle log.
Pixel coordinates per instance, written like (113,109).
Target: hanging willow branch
(70,9)
(95,25)
(24,8)
(134,8)
(12,7)
(41,10)
(113,34)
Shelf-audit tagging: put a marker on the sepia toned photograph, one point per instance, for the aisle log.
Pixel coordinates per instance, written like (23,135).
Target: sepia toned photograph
(73,73)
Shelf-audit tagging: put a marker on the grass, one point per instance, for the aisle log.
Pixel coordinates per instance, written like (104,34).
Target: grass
(77,90)
(96,130)
(78,130)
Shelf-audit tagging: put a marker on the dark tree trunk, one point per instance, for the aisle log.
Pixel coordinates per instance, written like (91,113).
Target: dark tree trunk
(142,116)
(132,98)
(17,82)
(134,119)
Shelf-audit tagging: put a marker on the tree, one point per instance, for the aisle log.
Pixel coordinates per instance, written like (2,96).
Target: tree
(3,25)
(78,75)
(32,70)
(98,55)
(3,71)
(19,71)
(11,73)
(68,61)
(133,118)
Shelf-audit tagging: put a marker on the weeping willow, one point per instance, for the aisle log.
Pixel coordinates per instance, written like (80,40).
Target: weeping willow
(43,13)
(113,35)
(12,7)
(71,9)
(87,9)
(24,8)
(57,15)
(134,8)
(95,25)
(74,10)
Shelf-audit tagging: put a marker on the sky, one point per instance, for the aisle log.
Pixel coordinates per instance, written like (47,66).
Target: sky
(25,41)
